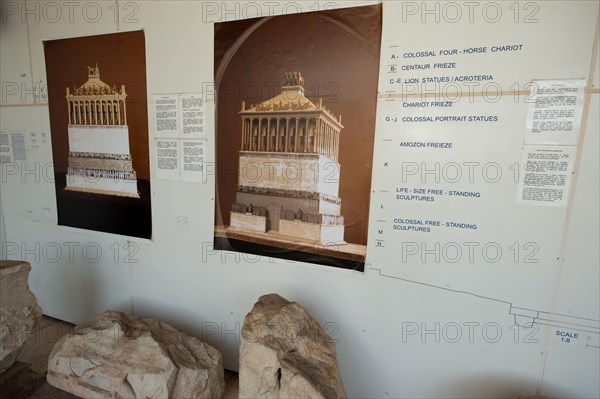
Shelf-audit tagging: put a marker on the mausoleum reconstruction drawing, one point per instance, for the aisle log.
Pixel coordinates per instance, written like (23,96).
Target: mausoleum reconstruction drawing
(99,155)
(288,178)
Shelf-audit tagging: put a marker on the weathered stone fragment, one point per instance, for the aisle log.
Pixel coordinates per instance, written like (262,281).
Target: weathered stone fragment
(113,356)
(19,311)
(284,353)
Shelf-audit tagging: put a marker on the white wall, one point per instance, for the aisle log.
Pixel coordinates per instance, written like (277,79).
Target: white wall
(379,318)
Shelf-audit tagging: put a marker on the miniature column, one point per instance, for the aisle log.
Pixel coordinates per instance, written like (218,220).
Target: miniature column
(250,143)
(333,143)
(243,133)
(69,108)
(91,110)
(306,135)
(326,140)
(296,133)
(277,139)
(315,146)
(247,135)
(330,143)
(337,146)
(287,133)
(316,143)
(119,110)
(319,129)
(317,134)
(323,137)
(254,143)
(259,138)
(124,95)
(268,134)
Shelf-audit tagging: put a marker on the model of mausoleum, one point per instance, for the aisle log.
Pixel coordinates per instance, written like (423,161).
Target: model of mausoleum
(288,178)
(99,155)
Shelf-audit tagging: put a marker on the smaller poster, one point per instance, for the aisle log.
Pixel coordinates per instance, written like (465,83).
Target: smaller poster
(99,127)
(546,175)
(555,109)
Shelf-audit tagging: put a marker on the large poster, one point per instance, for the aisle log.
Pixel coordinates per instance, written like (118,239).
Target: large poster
(99,125)
(296,102)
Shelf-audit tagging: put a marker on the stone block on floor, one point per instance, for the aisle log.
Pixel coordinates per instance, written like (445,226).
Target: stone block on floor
(19,311)
(117,356)
(284,353)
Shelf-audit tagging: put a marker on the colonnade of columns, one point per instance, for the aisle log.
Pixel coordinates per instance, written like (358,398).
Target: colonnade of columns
(300,134)
(97,111)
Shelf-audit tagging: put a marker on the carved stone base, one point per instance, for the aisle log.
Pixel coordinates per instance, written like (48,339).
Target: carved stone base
(121,188)
(244,222)
(320,233)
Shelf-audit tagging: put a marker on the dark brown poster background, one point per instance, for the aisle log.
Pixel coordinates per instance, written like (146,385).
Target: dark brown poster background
(337,53)
(121,58)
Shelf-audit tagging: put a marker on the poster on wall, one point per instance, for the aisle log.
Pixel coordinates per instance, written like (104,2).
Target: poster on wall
(99,126)
(295,121)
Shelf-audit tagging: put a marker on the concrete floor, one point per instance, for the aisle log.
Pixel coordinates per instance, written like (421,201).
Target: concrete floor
(37,349)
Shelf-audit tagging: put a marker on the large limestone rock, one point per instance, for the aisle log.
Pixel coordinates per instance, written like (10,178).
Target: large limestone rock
(19,311)
(284,353)
(113,356)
